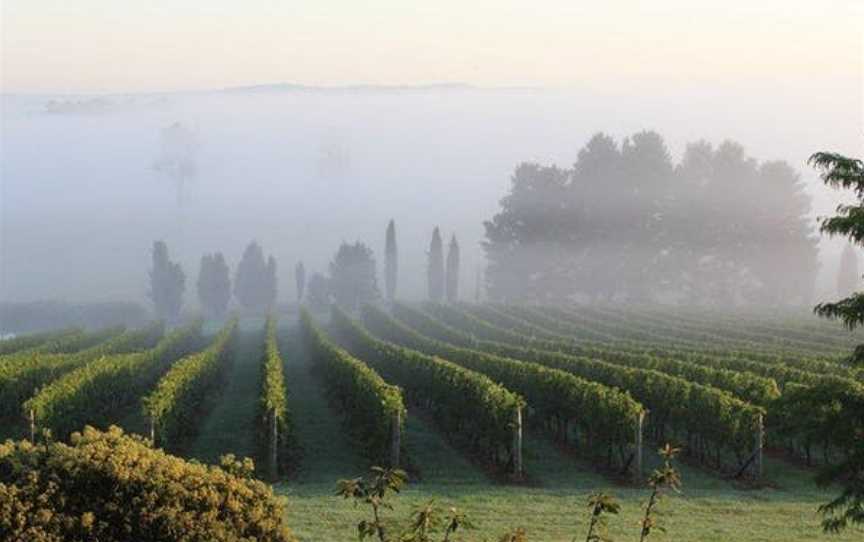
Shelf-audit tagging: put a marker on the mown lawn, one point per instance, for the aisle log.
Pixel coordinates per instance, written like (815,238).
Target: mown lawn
(554,509)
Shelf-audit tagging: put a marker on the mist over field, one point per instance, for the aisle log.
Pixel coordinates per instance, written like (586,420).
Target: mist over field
(490,270)
(300,169)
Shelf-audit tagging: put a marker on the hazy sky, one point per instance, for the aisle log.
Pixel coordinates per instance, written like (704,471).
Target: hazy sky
(75,46)
(783,77)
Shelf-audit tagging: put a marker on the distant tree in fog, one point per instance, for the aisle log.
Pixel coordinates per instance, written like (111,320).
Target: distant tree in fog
(255,281)
(452,285)
(352,276)
(625,222)
(847,275)
(435,270)
(524,240)
(167,284)
(177,157)
(391,262)
(318,296)
(214,285)
(271,283)
(300,280)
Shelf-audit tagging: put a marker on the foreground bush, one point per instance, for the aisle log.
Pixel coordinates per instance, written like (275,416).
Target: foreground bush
(108,486)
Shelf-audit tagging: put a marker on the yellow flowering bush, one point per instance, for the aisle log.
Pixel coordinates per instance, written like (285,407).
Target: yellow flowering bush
(108,486)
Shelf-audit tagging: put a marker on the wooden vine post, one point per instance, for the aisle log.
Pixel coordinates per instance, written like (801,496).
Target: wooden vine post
(396,439)
(517,444)
(759,442)
(274,447)
(637,448)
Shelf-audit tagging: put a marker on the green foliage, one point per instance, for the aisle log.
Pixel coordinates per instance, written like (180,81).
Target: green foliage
(97,392)
(661,480)
(114,488)
(832,418)
(448,390)
(167,284)
(605,416)
(374,490)
(842,172)
(849,310)
(598,526)
(428,519)
(708,351)
(844,410)
(75,342)
(174,405)
(370,404)
(274,399)
(27,372)
(710,419)
(30,341)
(755,389)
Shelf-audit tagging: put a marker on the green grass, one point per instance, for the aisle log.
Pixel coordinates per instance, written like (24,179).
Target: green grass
(551,506)
(230,425)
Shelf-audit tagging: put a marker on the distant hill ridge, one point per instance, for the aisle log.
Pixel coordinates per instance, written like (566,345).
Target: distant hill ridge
(294,87)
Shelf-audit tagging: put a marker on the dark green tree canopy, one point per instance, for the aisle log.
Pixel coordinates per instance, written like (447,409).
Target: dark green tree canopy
(167,284)
(847,173)
(352,276)
(843,424)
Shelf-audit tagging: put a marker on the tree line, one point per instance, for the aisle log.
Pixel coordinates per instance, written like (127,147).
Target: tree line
(350,282)
(627,223)
(254,286)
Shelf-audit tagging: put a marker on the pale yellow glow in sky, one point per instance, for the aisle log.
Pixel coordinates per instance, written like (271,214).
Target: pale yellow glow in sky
(131,45)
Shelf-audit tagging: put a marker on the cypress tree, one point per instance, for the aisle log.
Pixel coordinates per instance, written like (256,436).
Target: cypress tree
(847,275)
(453,270)
(167,284)
(391,262)
(435,273)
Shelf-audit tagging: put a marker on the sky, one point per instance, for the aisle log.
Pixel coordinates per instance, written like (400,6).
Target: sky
(110,46)
(785,78)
